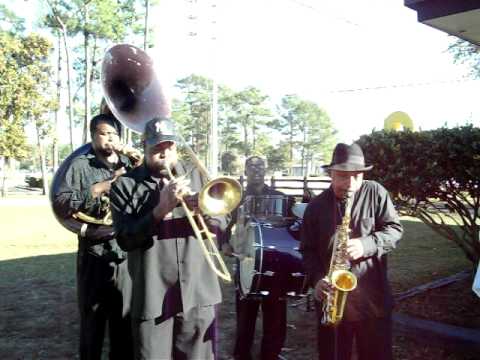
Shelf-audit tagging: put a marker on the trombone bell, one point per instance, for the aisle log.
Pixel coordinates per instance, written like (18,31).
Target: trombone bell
(220,196)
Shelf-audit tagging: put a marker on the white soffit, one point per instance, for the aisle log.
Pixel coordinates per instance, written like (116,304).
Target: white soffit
(465,25)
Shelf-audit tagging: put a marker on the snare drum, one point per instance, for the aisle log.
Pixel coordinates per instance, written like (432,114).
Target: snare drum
(270,264)
(266,207)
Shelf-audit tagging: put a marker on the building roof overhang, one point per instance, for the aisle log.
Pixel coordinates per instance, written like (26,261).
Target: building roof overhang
(460,18)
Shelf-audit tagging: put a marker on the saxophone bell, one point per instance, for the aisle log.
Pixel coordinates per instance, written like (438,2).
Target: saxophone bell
(344,281)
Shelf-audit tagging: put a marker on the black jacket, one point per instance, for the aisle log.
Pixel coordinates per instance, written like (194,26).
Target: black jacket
(74,195)
(170,273)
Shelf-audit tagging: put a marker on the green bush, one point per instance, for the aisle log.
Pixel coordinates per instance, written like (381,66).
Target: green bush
(433,175)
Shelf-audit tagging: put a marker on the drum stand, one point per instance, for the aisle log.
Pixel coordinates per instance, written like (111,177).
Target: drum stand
(307,300)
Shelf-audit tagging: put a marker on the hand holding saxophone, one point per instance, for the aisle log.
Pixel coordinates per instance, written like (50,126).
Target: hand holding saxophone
(322,289)
(355,249)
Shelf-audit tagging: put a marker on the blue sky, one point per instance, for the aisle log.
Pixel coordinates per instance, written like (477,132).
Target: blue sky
(359,60)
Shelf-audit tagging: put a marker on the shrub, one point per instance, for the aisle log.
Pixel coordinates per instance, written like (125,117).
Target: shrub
(432,175)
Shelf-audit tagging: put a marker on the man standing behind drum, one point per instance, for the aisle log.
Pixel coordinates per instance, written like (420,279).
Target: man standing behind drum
(274,308)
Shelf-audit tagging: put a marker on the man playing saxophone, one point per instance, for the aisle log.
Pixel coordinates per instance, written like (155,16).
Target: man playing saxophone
(353,225)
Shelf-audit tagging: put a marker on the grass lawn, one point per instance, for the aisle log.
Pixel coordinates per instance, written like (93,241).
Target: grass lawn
(423,256)
(38,313)
(29,228)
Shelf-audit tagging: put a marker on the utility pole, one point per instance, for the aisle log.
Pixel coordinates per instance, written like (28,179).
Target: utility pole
(212,156)
(213,151)
(145,31)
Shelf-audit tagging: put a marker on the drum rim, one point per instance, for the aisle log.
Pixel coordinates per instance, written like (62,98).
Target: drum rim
(274,196)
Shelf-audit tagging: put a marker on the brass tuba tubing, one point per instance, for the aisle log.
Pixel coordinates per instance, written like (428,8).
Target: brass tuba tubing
(95,230)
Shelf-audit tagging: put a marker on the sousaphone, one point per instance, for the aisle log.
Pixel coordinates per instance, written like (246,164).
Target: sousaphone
(134,94)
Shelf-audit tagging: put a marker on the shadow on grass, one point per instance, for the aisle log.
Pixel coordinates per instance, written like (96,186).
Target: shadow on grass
(38,308)
(39,315)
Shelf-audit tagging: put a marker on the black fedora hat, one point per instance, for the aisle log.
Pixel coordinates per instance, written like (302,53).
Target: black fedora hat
(348,158)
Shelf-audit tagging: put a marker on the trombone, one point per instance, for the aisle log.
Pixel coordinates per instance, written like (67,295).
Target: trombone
(219,196)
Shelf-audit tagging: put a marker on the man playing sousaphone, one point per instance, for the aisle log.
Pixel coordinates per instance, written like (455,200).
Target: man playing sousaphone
(274,308)
(103,283)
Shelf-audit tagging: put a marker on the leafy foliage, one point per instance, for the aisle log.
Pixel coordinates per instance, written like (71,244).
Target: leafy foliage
(10,22)
(277,157)
(241,116)
(230,163)
(246,120)
(24,75)
(227,120)
(307,127)
(432,175)
(100,23)
(252,111)
(465,52)
(287,122)
(192,112)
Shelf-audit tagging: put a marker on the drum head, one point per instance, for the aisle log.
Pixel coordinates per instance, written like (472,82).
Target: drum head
(248,262)
(299,209)
(246,272)
(271,263)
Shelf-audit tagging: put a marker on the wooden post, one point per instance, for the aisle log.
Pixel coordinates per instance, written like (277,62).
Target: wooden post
(272,182)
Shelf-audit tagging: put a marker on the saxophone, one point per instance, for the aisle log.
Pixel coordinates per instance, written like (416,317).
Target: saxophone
(339,276)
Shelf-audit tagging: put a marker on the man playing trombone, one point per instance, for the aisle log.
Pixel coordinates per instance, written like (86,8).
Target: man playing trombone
(174,288)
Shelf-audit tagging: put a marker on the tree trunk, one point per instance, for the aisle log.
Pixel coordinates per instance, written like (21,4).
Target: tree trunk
(304,152)
(245,141)
(69,86)
(253,135)
(145,46)
(59,88)
(43,165)
(6,172)
(87,76)
(69,76)
(145,31)
(291,149)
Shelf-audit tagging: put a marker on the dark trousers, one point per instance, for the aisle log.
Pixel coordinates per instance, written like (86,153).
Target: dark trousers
(103,296)
(190,335)
(373,339)
(274,326)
